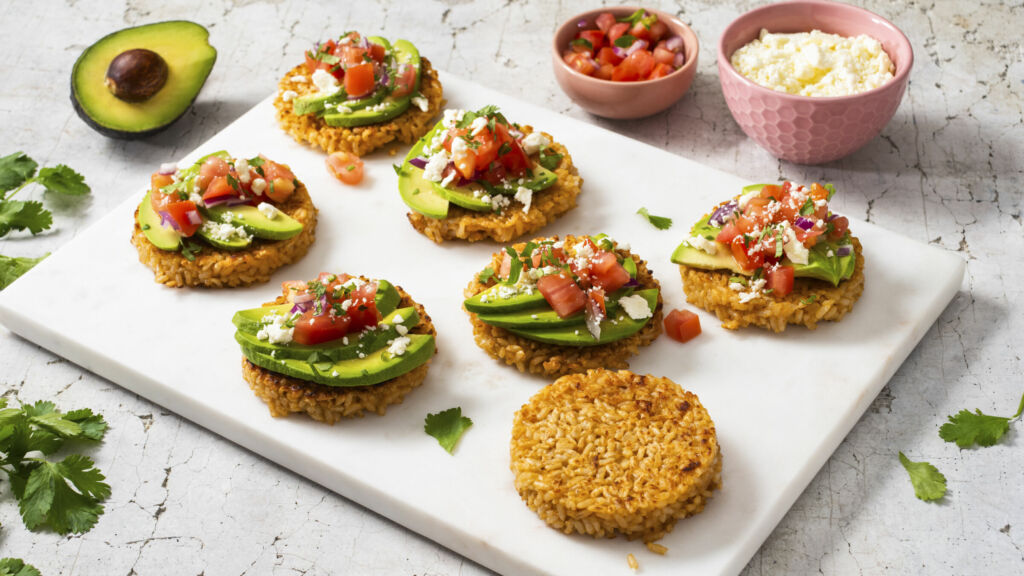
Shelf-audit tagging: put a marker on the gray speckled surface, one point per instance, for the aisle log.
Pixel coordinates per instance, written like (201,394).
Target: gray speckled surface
(945,171)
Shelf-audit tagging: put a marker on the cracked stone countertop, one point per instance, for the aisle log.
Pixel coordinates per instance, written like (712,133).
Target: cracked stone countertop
(947,171)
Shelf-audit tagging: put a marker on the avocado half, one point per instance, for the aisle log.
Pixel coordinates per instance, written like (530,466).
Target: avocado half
(184,47)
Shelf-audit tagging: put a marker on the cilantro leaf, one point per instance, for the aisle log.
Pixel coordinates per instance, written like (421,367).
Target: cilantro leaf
(49,498)
(831,190)
(12,268)
(582,42)
(659,222)
(447,427)
(549,158)
(808,208)
(967,428)
(93,425)
(928,482)
(625,41)
(632,18)
(516,266)
(15,169)
(17,567)
(19,215)
(485,275)
(63,180)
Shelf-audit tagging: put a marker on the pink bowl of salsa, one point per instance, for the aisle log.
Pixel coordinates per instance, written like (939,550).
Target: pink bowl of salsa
(644,78)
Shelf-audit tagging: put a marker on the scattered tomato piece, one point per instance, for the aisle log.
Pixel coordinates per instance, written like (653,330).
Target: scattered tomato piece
(345,167)
(682,325)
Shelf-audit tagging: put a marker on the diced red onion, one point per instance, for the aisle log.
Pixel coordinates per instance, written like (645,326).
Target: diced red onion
(638,45)
(418,162)
(844,250)
(300,308)
(619,52)
(167,221)
(194,217)
(633,283)
(804,224)
(168,168)
(723,212)
(302,298)
(384,77)
(677,62)
(675,44)
(832,217)
(581,24)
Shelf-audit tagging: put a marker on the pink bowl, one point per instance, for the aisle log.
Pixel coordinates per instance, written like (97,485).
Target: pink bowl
(624,100)
(803,129)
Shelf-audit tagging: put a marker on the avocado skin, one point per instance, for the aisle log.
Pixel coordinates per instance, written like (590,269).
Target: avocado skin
(568,336)
(202,62)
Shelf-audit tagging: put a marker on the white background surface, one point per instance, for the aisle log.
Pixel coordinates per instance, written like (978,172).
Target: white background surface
(945,171)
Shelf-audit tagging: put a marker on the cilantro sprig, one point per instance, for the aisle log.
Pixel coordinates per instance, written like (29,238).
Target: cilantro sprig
(18,171)
(659,222)
(928,482)
(66,496)
(447,427)
(968,428)
(17,567)
(12,268)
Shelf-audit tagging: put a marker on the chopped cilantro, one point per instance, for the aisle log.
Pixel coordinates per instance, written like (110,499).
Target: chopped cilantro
(967,428)
(233,182)
(18,171)
(447,427)
(625,41)
(632,18)
(189,249)
(12,268)
(810,299)
(504,149)
(485,275)
(738,280)
(808,208)
(17,567)
(398,169)
(582,42)
(831,190)
(255,162)
(778,244)
(516,265)
(928,482)
(659,222)
(350,167)
(528,250)
(549,158)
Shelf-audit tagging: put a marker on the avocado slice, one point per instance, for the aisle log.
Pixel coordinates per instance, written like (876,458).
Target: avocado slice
(389,107)
(280,227)
(543,316)
(386,299)
(185,49)
(417,192)
(230,244)
(163,237)
(372,369)
(615,327)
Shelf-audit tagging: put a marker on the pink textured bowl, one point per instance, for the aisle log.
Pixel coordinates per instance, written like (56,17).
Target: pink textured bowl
(804,129)
(624,100)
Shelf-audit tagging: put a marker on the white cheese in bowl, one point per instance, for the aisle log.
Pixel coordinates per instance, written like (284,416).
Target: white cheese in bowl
(814,63)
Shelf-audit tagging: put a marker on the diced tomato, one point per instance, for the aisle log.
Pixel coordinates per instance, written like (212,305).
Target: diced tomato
(729,231)
(313,64)
(405,83)
(377,52)
(616,31)
(664,56)
(818,192)
(465,163)
(641,61)
(607,55)
(280,189)
(486,150)
(515,159)
(359,79)
(640,31)
(363,309)
(623,73)
(780,280)
(810,237)
(605,71)
(606,272)
(748,260)
(771,191)
(506,266)
(290,288)
(311,330)
(158,181)
(562,293)
(682,325)
(581,63)
(218,188)
(595,37)
(351,55)
(658,30)
(596,295)
(840,224)
(186,215)
(660,71)
(345,167)
(605,21)
(212,167)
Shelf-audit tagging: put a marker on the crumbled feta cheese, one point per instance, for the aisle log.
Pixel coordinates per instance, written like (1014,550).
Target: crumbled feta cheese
(737,287)
(344,340)
(343,109)
(289,95)
(436,164)
(524,196)
(228,216)
(355,282)
(703,244)
(259,186)
(276,332)
(334,374)
(534,142)
(420,102)
(242,170)
(196,199)
(449,178)
(499,202)
(477,125)
(398,319)
(452,117)
(325,82)
(830,254)
(635,306)
(399,345)
(268,210)
(748,296)
(746,198)
(459,149)
(169,168)
(299,78)
(795,250)
(224,231)
(402,330)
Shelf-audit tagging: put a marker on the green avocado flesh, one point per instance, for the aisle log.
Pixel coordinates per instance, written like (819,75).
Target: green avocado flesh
(820,265)
(280,227)
(162,237)
(185,48)
(388,107)
(615,327)
(432,199)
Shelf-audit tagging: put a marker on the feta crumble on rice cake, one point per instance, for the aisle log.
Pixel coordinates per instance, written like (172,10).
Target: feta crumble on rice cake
(216,268)
(606,453)
(810,302)
(513,221)
(285,395)
(555,360)
(407,127)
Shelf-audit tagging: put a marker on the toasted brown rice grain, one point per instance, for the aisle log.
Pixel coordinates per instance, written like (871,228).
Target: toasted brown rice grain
(709,289)
(606,453)
(631,560)
(360,140)
(215,268)
(554,360)
(285,395)
(512,222)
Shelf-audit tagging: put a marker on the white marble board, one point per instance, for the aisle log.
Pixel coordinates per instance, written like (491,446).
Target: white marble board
(781,403)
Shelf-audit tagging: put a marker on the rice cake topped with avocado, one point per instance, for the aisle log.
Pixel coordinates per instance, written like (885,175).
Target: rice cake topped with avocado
(772,256)
(606,453)
(556,307)
(358,93)
(476,176)
(223,222)
(335,347)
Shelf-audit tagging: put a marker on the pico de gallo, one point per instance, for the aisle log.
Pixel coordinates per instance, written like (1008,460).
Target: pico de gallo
(481,161)
(633,48)
(770,235)
(361,66)
(551,287)
(205,200)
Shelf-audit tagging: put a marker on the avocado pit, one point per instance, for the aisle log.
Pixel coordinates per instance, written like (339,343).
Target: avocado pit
(136,75)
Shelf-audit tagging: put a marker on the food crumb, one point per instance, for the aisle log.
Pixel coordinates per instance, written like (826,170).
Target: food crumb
(633,564)
(393,151)
(657,548)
